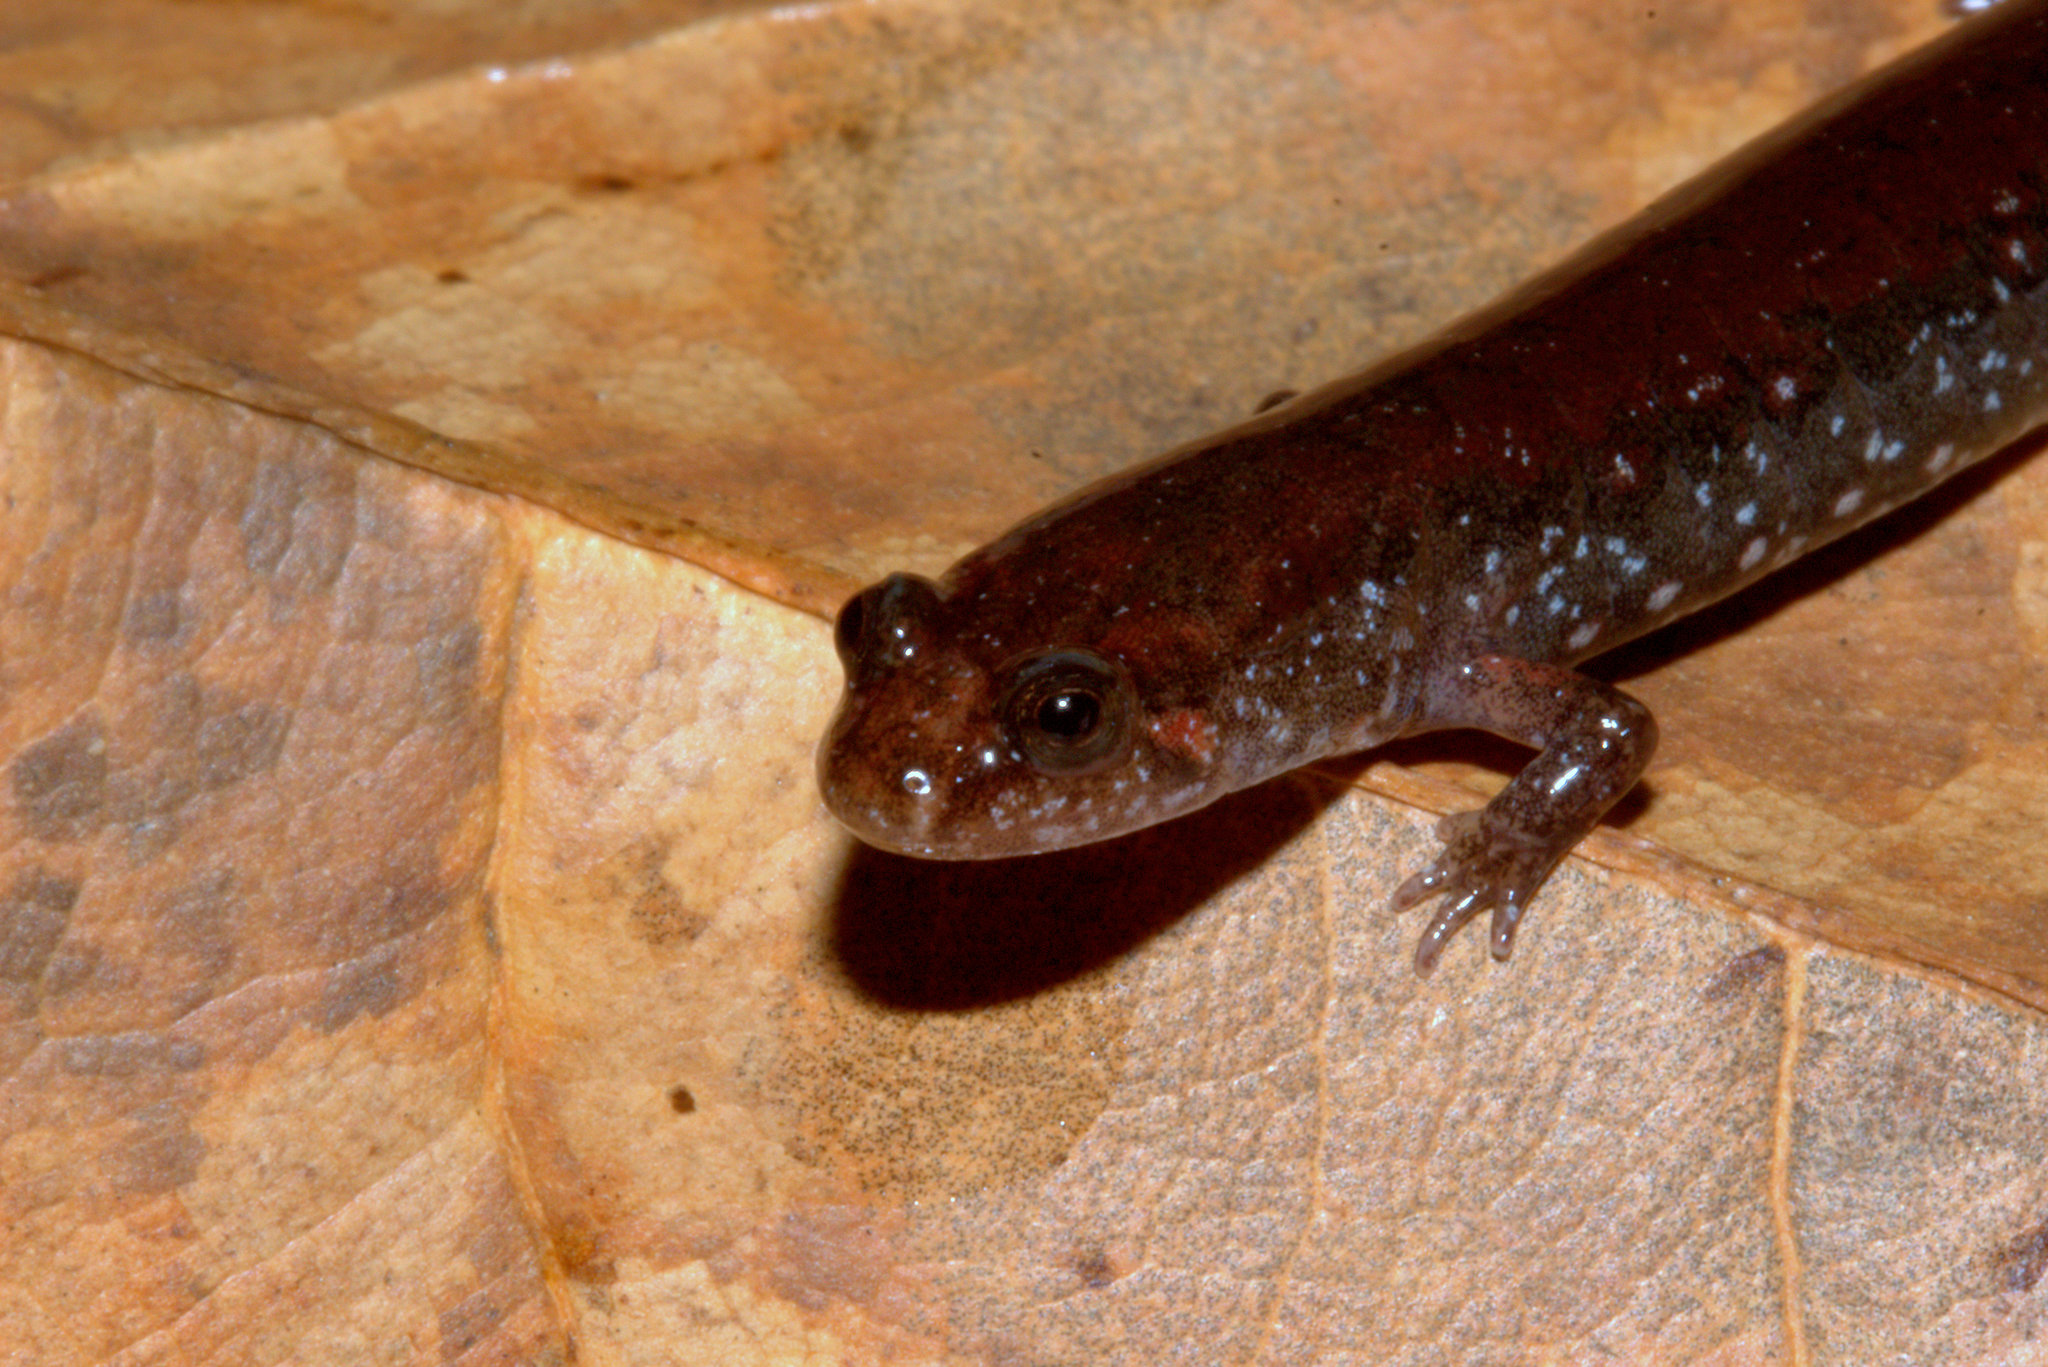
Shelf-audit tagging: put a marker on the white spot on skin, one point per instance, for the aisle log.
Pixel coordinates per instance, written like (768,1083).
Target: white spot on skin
(1705,494)
(916,782)
(1848,503)
(1583,636)
(1745,515)
(1836,424)
(1664,595)
(1785,388)
(1752,553)
(1938,462)
(1514,614)
(1992,403)
(1942,379)
(1873,446)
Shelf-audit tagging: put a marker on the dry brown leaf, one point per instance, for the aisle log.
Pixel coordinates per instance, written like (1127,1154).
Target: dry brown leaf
(420,935)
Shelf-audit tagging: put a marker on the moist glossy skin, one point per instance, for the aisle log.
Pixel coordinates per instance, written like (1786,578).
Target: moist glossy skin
(1839,318)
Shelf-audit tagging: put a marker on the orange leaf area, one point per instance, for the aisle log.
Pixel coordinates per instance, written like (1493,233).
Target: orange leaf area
(420,936)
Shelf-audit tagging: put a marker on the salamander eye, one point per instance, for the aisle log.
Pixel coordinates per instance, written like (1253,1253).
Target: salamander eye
(884,626)
(1069,712)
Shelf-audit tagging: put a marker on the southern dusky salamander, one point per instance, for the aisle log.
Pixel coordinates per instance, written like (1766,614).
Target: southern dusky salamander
(1833,321)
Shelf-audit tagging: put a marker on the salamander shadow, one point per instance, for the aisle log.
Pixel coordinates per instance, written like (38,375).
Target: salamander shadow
(931,936)
(954,936)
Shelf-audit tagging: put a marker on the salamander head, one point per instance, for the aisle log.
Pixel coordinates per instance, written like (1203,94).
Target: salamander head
(956,739)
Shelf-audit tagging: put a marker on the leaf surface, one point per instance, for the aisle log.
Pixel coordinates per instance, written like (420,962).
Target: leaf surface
(427,446)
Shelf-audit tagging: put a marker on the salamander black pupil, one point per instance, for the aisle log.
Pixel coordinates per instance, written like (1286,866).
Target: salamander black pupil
(1068,710)
(1070,715)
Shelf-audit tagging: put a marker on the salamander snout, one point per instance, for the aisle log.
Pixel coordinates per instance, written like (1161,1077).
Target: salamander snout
(905,719)
(955,740)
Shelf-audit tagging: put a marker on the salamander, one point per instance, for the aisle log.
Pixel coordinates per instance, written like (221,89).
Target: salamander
(1839,317)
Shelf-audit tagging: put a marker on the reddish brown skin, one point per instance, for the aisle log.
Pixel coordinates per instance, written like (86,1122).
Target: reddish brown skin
(1829,324)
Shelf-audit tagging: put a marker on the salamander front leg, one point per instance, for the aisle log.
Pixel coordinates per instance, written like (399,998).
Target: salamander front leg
(1593,742)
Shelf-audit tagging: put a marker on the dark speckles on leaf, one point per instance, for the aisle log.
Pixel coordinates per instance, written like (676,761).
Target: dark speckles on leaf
(59,276)
(234,745)
(267,520)
(34,913)
(153,617)
(2026,1259)
(448,672)
(60,782)
(74,968)
(133,1053)
(467,1323)
(161,1153)
(663,918)
(198,740)
(193,933)
(297,526)
(1095,1269)
(369,986)
(1744,973)
(354,912)
(494,1241)
(193,920)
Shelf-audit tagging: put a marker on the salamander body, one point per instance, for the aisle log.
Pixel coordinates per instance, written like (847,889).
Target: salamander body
(1840,317)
